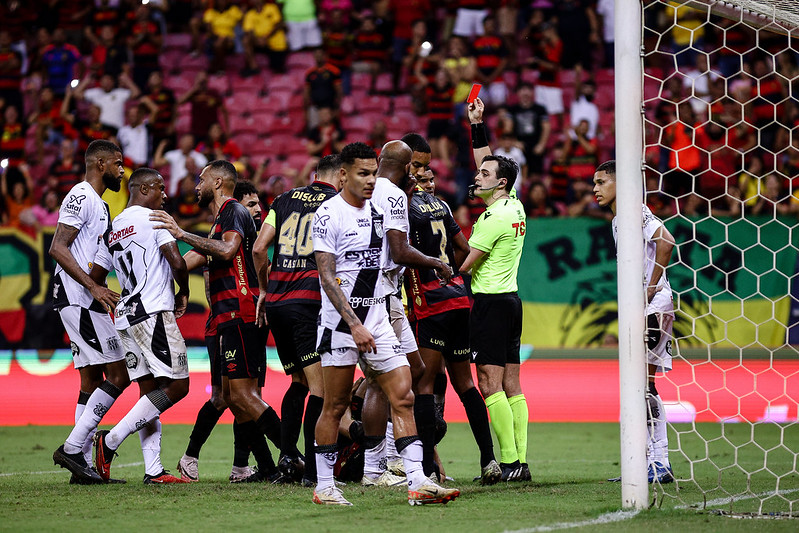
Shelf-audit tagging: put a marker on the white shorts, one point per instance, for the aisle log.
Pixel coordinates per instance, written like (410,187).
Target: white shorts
(550,97)
(402,328)
(155,347)
(660,354)
(388,357)
(495,94)
(92,336)
(303,34)
(469,22)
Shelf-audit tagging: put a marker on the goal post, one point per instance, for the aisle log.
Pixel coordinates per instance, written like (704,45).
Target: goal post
(707,134)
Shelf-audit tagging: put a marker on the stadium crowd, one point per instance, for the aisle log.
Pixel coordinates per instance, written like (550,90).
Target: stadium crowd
(273,86)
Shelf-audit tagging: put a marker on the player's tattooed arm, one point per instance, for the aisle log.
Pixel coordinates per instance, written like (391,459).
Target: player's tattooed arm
(59,250)
(326,264)
(224,249)
(181,274)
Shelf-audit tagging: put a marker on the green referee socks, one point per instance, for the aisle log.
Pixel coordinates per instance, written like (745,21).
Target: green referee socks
(518,404)
(502,422)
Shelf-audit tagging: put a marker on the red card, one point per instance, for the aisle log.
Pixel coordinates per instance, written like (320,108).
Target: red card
(473,93)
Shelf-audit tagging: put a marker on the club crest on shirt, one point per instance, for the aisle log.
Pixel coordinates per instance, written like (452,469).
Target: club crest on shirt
(379,228)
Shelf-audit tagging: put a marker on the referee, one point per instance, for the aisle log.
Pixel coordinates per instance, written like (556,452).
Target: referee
(496,320)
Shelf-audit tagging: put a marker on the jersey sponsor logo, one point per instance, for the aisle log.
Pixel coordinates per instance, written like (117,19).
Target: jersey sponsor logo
(357,301)
(396,202)
(342,282)
(433,208)
(474,355)
(230,355)
(73,203)
(323,219)
(463,351)
(121,234)
(369,258)
(437,342)
(131,360)
(351,234)
(487,214)
(308,197)
(363,222)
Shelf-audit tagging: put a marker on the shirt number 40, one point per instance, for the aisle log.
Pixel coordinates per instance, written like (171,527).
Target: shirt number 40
(519,227)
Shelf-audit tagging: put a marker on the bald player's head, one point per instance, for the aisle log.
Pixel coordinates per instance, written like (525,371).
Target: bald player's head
(394,163)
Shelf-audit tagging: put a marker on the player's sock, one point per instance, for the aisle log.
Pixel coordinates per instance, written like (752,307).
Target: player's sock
(83,397)
(478,420)
(258,446)
(97,406)
(269,424)
(502,422)
(150,438)
(312,412)
(518,404)
(143,412)
(440,392)
(241,447)
(425,415)
(207,417)
(374,453)
(391,448)
(410,449)
(658,442)
(291,418)
(326,457)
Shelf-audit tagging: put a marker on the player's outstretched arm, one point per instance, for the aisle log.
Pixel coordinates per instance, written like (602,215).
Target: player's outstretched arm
(224,249)
(404,254)
(59,250)
(326,263)
(471,259)
(664,245)
(475,111)
(260,256)
(181,274)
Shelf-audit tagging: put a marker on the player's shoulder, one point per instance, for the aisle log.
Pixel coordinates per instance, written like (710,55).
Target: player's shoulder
(648,217)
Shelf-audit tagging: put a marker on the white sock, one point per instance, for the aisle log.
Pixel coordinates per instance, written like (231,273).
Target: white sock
(326,457)
(150,437)
(412,460)
(374,460)
(141,414)
(658,441)
(87,446)
(96,407)
(391,448)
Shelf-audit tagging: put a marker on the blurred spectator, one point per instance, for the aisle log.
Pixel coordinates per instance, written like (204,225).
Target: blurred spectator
(134,137)
(656,201)
(109,98)
(16,188)
(184,206)
(87,130)
(549,92)
(264,32)
(750,181)
(145,45)
(697,82)
(12,139)
(217,145)
(71,15)
(684,158)
(773,200)
(206,105)
(559,190)
(537,203)
(158,10)
(440,113)
(220,20)
(337,41)
(45,213)
(378,136)
(408,16)
(163,126)
(327,137)
(462,69)
(585,205)
(46,116)
(579,31)
(183,161)
(469,18)
(583,158)
(532,128)
(10,72)
(66,171)
(109,56)
(327,7)
(507,147)
(371,50)
(605,10)
(59,61)
(767,108)
(687,32)
(102,15)
(322,87)
(507,25)
(303,29)
(583,106)
(491,56)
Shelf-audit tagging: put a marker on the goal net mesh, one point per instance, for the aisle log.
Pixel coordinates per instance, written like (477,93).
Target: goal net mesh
(721,164)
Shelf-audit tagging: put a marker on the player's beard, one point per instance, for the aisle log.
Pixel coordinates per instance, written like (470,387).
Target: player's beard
(112,182)
(205,198)
(258,222)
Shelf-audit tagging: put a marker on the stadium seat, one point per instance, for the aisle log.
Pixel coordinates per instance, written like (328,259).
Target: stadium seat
(377,103)
(194,63)
(347,106)
(282,82)
(300,61)
(252,84)
(169,60)
(385,83)
(243,124)
(245,140)
(177,41)
(529,76)
(358,124)
(183,124)
(219,83)
(242,102)
(403,102)
(179,83)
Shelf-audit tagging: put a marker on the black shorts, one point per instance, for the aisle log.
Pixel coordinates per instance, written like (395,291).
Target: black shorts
(242,351)
(294,329)
(212,344)
(438,128)
(495,328)
(446,332)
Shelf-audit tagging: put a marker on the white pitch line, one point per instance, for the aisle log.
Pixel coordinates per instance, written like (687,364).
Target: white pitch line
(607,518)
(737,498)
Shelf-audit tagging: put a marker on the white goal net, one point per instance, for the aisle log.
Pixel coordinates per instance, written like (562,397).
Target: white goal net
(721,168)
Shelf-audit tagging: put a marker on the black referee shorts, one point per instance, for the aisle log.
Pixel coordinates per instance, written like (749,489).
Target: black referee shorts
(294,329)
(495,328)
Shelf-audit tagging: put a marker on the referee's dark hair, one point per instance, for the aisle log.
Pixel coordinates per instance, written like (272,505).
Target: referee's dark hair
(243,188)
(506,168)
(329,163)
(609,167)
(356,150)
(417,143)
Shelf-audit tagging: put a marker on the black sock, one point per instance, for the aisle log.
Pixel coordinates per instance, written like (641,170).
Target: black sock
(477,415)
(291,418)
(241,448)
(259,447)
(206,421)
(269,424)
(312,412)
(425,414)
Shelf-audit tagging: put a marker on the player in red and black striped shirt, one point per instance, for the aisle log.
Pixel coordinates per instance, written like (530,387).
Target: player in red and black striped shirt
(233,287)
(291,299)
(439,316)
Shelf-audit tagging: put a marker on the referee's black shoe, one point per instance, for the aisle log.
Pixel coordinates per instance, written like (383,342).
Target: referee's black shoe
(512,472)
(75,463)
